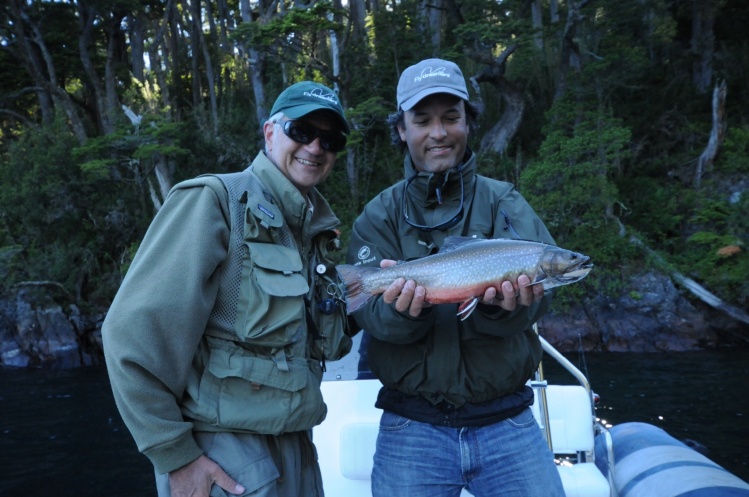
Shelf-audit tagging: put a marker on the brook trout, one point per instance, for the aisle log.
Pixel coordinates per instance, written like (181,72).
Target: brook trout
(465,267)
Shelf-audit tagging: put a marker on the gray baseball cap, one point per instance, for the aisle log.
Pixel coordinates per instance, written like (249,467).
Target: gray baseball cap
(304,97)
(428,77)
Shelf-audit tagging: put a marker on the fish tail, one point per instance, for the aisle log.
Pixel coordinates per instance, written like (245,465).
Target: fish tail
(356,293)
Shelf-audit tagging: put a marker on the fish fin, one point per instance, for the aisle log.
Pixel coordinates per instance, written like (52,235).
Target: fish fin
(540,278)
(453,242)
(467,307)
(351,277)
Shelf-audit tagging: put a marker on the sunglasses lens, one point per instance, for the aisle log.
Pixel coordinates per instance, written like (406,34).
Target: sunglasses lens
(299,132)
(332,142)
(305,133)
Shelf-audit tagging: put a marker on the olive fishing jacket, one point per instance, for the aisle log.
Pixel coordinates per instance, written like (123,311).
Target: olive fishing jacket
(224,319)
(436,355)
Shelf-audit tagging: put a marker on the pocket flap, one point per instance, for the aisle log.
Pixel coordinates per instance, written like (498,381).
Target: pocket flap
(275,257)
(255,369)
(278,270)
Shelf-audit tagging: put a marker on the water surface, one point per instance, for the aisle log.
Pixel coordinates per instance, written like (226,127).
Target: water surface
(60,433)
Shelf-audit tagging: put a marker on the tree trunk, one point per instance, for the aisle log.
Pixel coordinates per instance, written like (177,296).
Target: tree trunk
(717,134)
(42,68)
(86,18)
(538,24)
(136,31)
(434,12)
(255,68)
(703,44)
(497,139)
(569,53)
(199,42)
(358,13)
(110,76)
(154,55)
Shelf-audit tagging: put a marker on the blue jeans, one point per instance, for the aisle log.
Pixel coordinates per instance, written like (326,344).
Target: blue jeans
(509,458)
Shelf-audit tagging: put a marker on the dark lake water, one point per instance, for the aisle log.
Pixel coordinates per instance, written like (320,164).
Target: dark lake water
(61,435)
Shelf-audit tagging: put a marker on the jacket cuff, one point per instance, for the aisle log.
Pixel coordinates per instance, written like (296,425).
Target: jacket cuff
(174,455)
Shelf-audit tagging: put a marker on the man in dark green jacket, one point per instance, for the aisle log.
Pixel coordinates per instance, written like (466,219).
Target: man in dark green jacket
(216,341)
(455,402)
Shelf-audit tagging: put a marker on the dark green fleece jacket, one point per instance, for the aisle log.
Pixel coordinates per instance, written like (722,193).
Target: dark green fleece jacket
(436,355)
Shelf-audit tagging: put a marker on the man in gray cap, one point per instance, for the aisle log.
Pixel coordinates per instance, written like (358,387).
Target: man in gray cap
(455,403)
(217,338)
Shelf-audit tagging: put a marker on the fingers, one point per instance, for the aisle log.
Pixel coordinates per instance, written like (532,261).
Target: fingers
(393,291)
(526,294)
(228,484)
(418,303)
(406,295)
(490,296)
(507,292)
(196,478)
(509,296)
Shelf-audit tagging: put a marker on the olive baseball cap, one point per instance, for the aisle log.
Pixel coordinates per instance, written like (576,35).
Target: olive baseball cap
(428,77)
(300,99)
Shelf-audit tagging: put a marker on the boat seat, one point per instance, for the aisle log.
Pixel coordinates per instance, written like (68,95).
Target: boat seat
(572,421)
(570,417)
(583,480)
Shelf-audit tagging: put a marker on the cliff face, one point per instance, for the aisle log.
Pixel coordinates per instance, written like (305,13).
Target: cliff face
(657,317)
(654,316)
(37,332)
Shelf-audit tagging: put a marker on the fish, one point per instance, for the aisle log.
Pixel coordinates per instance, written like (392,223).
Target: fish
(462,270)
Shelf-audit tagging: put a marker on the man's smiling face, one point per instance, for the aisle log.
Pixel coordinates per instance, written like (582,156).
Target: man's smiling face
(436,132)
(304,165)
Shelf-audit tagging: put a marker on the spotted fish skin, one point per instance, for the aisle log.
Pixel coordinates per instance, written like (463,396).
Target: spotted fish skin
(465,267)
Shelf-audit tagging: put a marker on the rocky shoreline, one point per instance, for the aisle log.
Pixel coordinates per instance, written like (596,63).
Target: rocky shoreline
(36,332)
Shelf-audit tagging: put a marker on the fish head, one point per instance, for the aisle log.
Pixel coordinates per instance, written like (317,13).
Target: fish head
(563,267)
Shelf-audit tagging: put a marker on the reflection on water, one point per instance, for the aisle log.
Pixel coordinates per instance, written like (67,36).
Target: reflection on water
(60,433)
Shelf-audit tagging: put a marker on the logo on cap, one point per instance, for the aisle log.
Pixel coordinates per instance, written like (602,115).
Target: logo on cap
(428,72)
(318,93)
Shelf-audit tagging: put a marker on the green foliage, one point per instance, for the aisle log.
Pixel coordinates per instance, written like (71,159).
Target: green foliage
(58,225)
(734,156)
(611,129)
(295,33)
(571,188)
(659,209)
(570,181)
(716,253)
(132,151)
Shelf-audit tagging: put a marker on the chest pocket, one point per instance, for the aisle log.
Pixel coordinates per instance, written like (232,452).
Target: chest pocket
(270,308)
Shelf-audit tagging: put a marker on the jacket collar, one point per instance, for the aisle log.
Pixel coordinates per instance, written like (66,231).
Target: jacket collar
(291,202)
(424,189)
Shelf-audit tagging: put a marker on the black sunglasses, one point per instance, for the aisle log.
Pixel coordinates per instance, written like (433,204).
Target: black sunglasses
(452,221)
(305,133)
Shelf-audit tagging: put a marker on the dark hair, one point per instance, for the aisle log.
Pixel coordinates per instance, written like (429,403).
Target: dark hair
(396,119)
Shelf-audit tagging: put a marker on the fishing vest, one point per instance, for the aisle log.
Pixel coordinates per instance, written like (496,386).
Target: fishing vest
(274,312)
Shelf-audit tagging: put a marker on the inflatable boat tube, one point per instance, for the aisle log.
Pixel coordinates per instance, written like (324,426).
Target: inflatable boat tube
(649,462)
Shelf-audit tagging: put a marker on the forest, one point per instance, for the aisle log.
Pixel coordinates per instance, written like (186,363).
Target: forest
(625,123)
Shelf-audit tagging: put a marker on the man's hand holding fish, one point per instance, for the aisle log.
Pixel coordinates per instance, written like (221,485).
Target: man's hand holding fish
(507,294)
